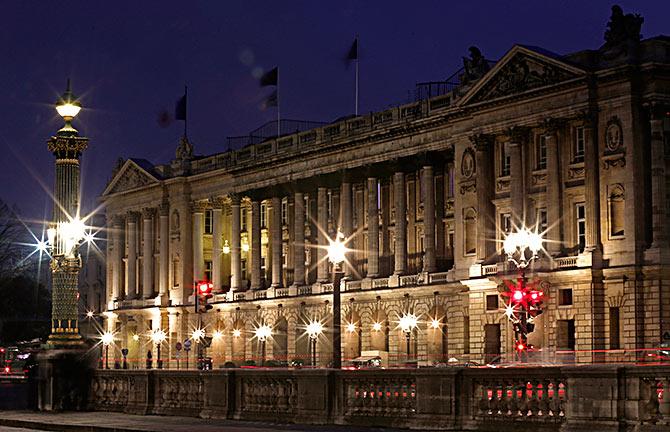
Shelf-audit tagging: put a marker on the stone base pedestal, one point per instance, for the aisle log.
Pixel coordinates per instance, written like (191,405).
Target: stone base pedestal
(64,379)
(394,281)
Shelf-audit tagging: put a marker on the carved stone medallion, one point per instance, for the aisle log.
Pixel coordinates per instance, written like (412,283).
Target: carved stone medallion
(468,163)
(613,135)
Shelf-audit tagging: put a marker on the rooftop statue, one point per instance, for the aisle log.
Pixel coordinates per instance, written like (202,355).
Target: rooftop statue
(474,67)
(622,34)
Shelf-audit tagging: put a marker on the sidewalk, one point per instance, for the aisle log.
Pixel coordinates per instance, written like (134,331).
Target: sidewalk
(116,422)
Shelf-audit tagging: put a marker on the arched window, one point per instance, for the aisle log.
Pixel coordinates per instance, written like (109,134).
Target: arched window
(470,231)
(617,203)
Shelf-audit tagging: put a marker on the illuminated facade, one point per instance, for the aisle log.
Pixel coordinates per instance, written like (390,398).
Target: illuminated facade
(575,145)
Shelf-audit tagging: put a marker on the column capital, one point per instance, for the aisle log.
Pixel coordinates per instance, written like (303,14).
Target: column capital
(132,217)
(552,125)
(117,220)
(517,134)
(481,141)
(148,212)
(199,206)
(217,202)
(235,198)
(589,117)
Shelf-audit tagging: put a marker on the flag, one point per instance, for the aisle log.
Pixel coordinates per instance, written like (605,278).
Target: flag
(270,78)
(180,108)
(353,51)
(271,101)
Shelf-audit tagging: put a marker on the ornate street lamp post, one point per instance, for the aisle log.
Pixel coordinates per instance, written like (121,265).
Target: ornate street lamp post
(521,248)
(314,330)
(107,339)
(158,337)
(337,254)
(66,230)
(262,333)
(408,322)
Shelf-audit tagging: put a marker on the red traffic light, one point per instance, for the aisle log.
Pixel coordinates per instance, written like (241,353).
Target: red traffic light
(520,346)
(517,295)
(205,288)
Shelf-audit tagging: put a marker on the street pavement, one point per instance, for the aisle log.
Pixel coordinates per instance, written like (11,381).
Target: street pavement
(118,422)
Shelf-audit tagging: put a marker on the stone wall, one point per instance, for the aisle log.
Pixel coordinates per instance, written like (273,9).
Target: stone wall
(594,398)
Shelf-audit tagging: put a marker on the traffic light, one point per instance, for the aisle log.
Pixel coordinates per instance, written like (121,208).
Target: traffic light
(521,346)
(203,293)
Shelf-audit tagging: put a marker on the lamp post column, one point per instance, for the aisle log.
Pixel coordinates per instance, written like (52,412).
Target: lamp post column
(67,146)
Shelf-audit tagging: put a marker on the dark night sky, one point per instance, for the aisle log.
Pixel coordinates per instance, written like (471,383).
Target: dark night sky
(128,61)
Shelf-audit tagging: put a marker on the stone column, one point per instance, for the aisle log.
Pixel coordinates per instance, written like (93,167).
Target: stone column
(346,223)
(217,247)
(235,248)
(658,181)
(591,186)
(198,212)
(276,232)
(428,219)
(373,229)
(485,208)
(322,222)
(117,264)
(553,234)
(400,266)
(164,249)
(516,192)
(148,253)
(299,240)
(255,244)
(131,289)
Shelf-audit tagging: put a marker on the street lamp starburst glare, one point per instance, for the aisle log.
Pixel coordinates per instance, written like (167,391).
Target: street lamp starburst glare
(314,329)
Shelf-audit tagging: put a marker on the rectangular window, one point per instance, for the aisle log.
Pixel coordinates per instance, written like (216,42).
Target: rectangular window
(541,153)
(492,302)
(565,297)
(580,224)
(579,145)
(614,328)
(244,268)
(505,159)
(208,221)
(542,225)
(330,206)
(264,214)
(284,211)
(505,224)
(208,270)
(565,335)
(243,218)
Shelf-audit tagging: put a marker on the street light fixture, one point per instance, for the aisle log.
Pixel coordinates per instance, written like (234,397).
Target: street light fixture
(158,336)
(337,254)
(314,330)
(107,338)
(262,333)
(408,322)
(521,248)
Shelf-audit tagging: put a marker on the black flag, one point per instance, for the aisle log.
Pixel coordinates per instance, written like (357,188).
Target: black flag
(270,78)
(180,108)
(271,101)
(353,51)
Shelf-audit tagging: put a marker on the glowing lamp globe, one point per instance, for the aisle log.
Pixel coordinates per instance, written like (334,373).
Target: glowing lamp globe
(198,334)
(314,329)
(337,250)
(107,338)
(351,327)
(67,105)
(408,322)
(263,332)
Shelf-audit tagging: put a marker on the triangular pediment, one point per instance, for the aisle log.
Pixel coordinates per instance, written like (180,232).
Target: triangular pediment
(521,70)
(129,176)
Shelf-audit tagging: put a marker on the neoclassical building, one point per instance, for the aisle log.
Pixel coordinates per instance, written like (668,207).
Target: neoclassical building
(574,145)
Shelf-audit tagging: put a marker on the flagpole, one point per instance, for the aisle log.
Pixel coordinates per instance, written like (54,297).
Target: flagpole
(278,113)
(185,110)
(356,110)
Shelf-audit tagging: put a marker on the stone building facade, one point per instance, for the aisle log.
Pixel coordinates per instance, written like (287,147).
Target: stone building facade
(573,145)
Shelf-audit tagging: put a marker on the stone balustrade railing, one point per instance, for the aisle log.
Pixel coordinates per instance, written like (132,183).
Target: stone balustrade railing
(596,398)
